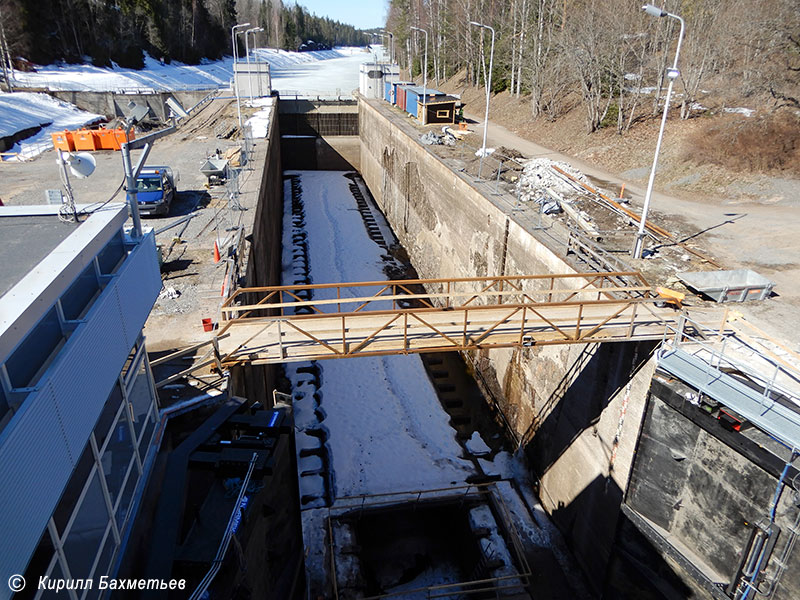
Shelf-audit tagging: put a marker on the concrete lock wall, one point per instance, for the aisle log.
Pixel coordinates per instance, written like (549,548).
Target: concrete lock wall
(256,382)
(577,409)
(319,134)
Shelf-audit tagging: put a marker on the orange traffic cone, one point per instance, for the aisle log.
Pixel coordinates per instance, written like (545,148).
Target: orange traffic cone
(216,252)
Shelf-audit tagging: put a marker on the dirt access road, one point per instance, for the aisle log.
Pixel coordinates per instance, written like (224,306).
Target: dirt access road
(760,235)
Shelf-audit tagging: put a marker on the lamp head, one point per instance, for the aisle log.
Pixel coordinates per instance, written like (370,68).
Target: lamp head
(654,11)
(136,113)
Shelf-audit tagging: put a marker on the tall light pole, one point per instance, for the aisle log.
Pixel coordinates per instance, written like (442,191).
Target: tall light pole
(424,78)
(391,45)
(253,30)
(235,81)
(672,74)
(488,95)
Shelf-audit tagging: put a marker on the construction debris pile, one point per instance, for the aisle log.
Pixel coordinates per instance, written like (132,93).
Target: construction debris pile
(538,177)
(434,139)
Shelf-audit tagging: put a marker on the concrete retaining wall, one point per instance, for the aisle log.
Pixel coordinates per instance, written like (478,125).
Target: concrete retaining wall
(577,409)
(112,104)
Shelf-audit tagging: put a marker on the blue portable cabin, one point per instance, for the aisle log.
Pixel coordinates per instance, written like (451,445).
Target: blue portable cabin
(391,92)
(414,97)
(400,95)
(388,91)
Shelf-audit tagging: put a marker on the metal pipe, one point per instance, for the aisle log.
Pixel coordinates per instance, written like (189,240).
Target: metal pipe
(254,30)
(132,173)
(235,80)
(672,74)
(247,55)
(488,95)
(424,79)
(130,184)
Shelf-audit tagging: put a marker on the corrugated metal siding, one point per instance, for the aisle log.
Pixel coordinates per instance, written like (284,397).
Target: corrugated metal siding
(401,97)
(25,476)
(139,289)
(411,102)
(39,447)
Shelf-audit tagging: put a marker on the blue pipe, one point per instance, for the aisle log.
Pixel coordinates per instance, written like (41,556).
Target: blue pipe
(772,513)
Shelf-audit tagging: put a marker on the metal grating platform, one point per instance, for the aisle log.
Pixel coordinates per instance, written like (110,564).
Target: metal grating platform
(758,407)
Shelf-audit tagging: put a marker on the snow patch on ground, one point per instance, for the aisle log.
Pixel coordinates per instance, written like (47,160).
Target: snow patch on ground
(502,465)
(747,112)
(259,122)
(476,445)
(24,110)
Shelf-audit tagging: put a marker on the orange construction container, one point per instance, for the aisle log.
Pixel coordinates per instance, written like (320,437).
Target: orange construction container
(106,140)
(63,141)
(84,139)
(110,139)
(120,135)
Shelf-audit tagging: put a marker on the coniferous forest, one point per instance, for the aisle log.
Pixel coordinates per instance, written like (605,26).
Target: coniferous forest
(44,31)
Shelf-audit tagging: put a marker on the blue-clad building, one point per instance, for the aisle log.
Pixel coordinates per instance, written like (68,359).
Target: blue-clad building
(78,406)
(428,105)
(391,90)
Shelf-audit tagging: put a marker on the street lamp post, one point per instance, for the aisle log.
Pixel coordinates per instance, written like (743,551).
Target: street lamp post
(235,81)
(488,95)
(424,79)
(391,46)
(253,30)
(672,74)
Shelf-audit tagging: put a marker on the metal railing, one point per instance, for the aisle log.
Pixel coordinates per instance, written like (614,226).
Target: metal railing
(713,341)
(447,293)
(281,323)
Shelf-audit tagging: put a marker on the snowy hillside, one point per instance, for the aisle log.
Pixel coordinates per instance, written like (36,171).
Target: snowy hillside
(164,77)
(325,72)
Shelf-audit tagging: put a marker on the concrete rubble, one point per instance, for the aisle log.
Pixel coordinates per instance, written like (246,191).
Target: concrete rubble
(538,176)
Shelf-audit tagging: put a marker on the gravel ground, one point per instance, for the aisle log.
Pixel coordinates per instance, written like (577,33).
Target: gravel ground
(191,278)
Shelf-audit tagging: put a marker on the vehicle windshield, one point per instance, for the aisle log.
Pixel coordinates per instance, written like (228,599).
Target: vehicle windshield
(148,184)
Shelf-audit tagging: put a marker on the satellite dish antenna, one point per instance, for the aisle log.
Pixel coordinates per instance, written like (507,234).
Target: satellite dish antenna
(81,165)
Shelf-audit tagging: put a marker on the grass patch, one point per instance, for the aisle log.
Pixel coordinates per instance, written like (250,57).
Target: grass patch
(762,144)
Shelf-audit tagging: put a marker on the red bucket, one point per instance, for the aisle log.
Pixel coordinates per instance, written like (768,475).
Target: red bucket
(208,325)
